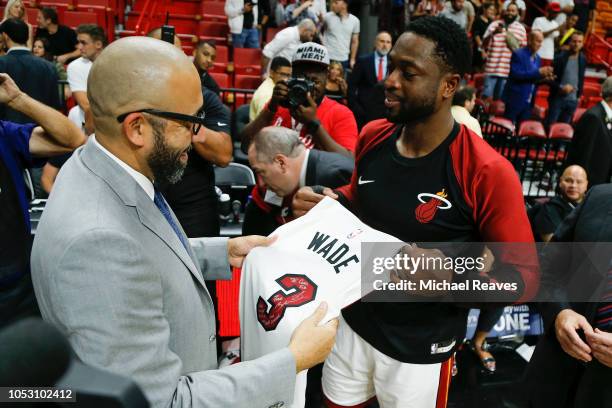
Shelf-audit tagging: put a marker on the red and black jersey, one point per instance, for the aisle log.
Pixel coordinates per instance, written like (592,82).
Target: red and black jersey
(463,191)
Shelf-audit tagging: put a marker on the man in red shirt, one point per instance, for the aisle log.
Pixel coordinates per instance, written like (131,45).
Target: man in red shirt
(322,123)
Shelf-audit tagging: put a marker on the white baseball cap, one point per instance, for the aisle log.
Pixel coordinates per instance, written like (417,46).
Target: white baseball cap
(311,52)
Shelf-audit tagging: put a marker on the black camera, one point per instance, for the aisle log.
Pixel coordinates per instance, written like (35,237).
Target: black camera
(298,89)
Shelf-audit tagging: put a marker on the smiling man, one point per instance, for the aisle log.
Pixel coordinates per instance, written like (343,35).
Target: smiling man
(111,266)
(401,353)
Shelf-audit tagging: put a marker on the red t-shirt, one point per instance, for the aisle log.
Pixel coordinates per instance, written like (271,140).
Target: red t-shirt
(337,119)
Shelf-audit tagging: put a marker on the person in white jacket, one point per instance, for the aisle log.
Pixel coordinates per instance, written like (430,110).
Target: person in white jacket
(242,20)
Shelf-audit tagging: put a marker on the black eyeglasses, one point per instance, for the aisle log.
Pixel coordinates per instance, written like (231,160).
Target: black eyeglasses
(196,120)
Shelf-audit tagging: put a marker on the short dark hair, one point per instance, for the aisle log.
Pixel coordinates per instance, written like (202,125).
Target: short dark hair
(278,62)
(49,13)
(94,31)
(486,5)
(577,32)
(16,29)
(210,43)
(451,43)
(463,95)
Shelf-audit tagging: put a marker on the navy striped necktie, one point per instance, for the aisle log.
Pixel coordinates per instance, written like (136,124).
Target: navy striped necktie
(160,203)
(603,317)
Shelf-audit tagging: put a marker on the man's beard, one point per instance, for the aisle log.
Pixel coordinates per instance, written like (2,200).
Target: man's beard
(416,111)
(165,163)
(382,52)
(509,20)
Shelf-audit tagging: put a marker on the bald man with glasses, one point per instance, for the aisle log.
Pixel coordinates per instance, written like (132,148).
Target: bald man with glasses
(113,269)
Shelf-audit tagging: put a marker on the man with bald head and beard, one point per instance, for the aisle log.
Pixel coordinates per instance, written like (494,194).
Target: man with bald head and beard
(111,266)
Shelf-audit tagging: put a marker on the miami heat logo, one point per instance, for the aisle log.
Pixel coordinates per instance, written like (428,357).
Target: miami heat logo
(426,211)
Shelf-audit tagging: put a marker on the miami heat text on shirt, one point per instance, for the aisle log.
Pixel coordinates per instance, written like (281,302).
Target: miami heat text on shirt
(433,285)
(411,264)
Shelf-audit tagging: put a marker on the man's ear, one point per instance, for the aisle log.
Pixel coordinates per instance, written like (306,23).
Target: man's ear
(450,85)
(281,159)
(134,127)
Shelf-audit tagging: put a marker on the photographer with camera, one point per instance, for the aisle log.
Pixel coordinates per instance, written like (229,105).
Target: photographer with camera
(300,104)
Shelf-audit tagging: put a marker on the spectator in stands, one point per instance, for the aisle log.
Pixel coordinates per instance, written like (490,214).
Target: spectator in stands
(51,170)
(566,89)
(366,93)
(567,9)
(428,8)
(341,34)
(299,11)
(336,84)
(587,14)
(572,362)
(41,49)
(35,76)
(91,41)
(280,70)
(16,9)
(461,12)
(572,187)
(525,72)
(323,124)
(63,40)
(21,147)
(566,30)
(464,102)
(550,29)
(591,146)
(520,4)
(204,56)
(286,42)
(242,20)
(479,28)
(283,164)
(500,40)
(114,271)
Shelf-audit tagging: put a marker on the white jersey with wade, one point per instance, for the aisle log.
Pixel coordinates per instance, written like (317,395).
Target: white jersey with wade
(316,258)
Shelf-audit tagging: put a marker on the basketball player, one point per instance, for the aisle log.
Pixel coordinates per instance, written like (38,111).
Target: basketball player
(421,177)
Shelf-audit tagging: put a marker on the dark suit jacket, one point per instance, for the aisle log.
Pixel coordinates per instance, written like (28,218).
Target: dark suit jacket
(524,72)
(322,168)
(34,76)
(592,145)
(568,274)
(366,96)
(559,66)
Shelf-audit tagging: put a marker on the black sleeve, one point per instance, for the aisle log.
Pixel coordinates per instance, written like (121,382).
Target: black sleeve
(59,161)
(72,35)
(548,218)
(257,221)
(53,91)
(353,86)
(217,115)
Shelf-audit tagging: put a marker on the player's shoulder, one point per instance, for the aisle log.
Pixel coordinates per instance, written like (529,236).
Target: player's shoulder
(475,156)
(373,133)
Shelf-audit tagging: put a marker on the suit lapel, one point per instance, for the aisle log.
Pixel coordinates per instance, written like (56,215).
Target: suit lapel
(372,59)
(133,195)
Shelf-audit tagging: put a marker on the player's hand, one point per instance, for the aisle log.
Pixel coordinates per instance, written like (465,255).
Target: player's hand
(238,248)
(306,198)
(566,325)
(62,58)
(306,114)
(423,273)
(9,91)
(279,95)
(311,343)
(601,344)
(499,29)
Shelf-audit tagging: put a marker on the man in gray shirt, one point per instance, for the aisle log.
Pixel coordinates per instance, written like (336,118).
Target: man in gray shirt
(341,35)
(456,11)
(565,91)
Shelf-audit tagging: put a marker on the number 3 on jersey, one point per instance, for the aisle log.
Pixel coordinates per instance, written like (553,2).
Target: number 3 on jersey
(298,291)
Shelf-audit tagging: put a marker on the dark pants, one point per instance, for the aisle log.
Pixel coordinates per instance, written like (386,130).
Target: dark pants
(488,318)
(517,112)
(561,110)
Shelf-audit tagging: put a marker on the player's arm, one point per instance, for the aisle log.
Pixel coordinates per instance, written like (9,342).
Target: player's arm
(213,141)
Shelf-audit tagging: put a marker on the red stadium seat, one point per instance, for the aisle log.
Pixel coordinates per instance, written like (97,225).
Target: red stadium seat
(213,31)
(247,56)
(250,70)
(223,80)
(271,33)
(75,18)
(531,128)
(32,15)
(479,81)
(561,131)
(213,11)
(183,24)
(578,115)
(591,89)
(219,67)
(247,81)
(497,108)
(222,54)
(96,3)
(503,122)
